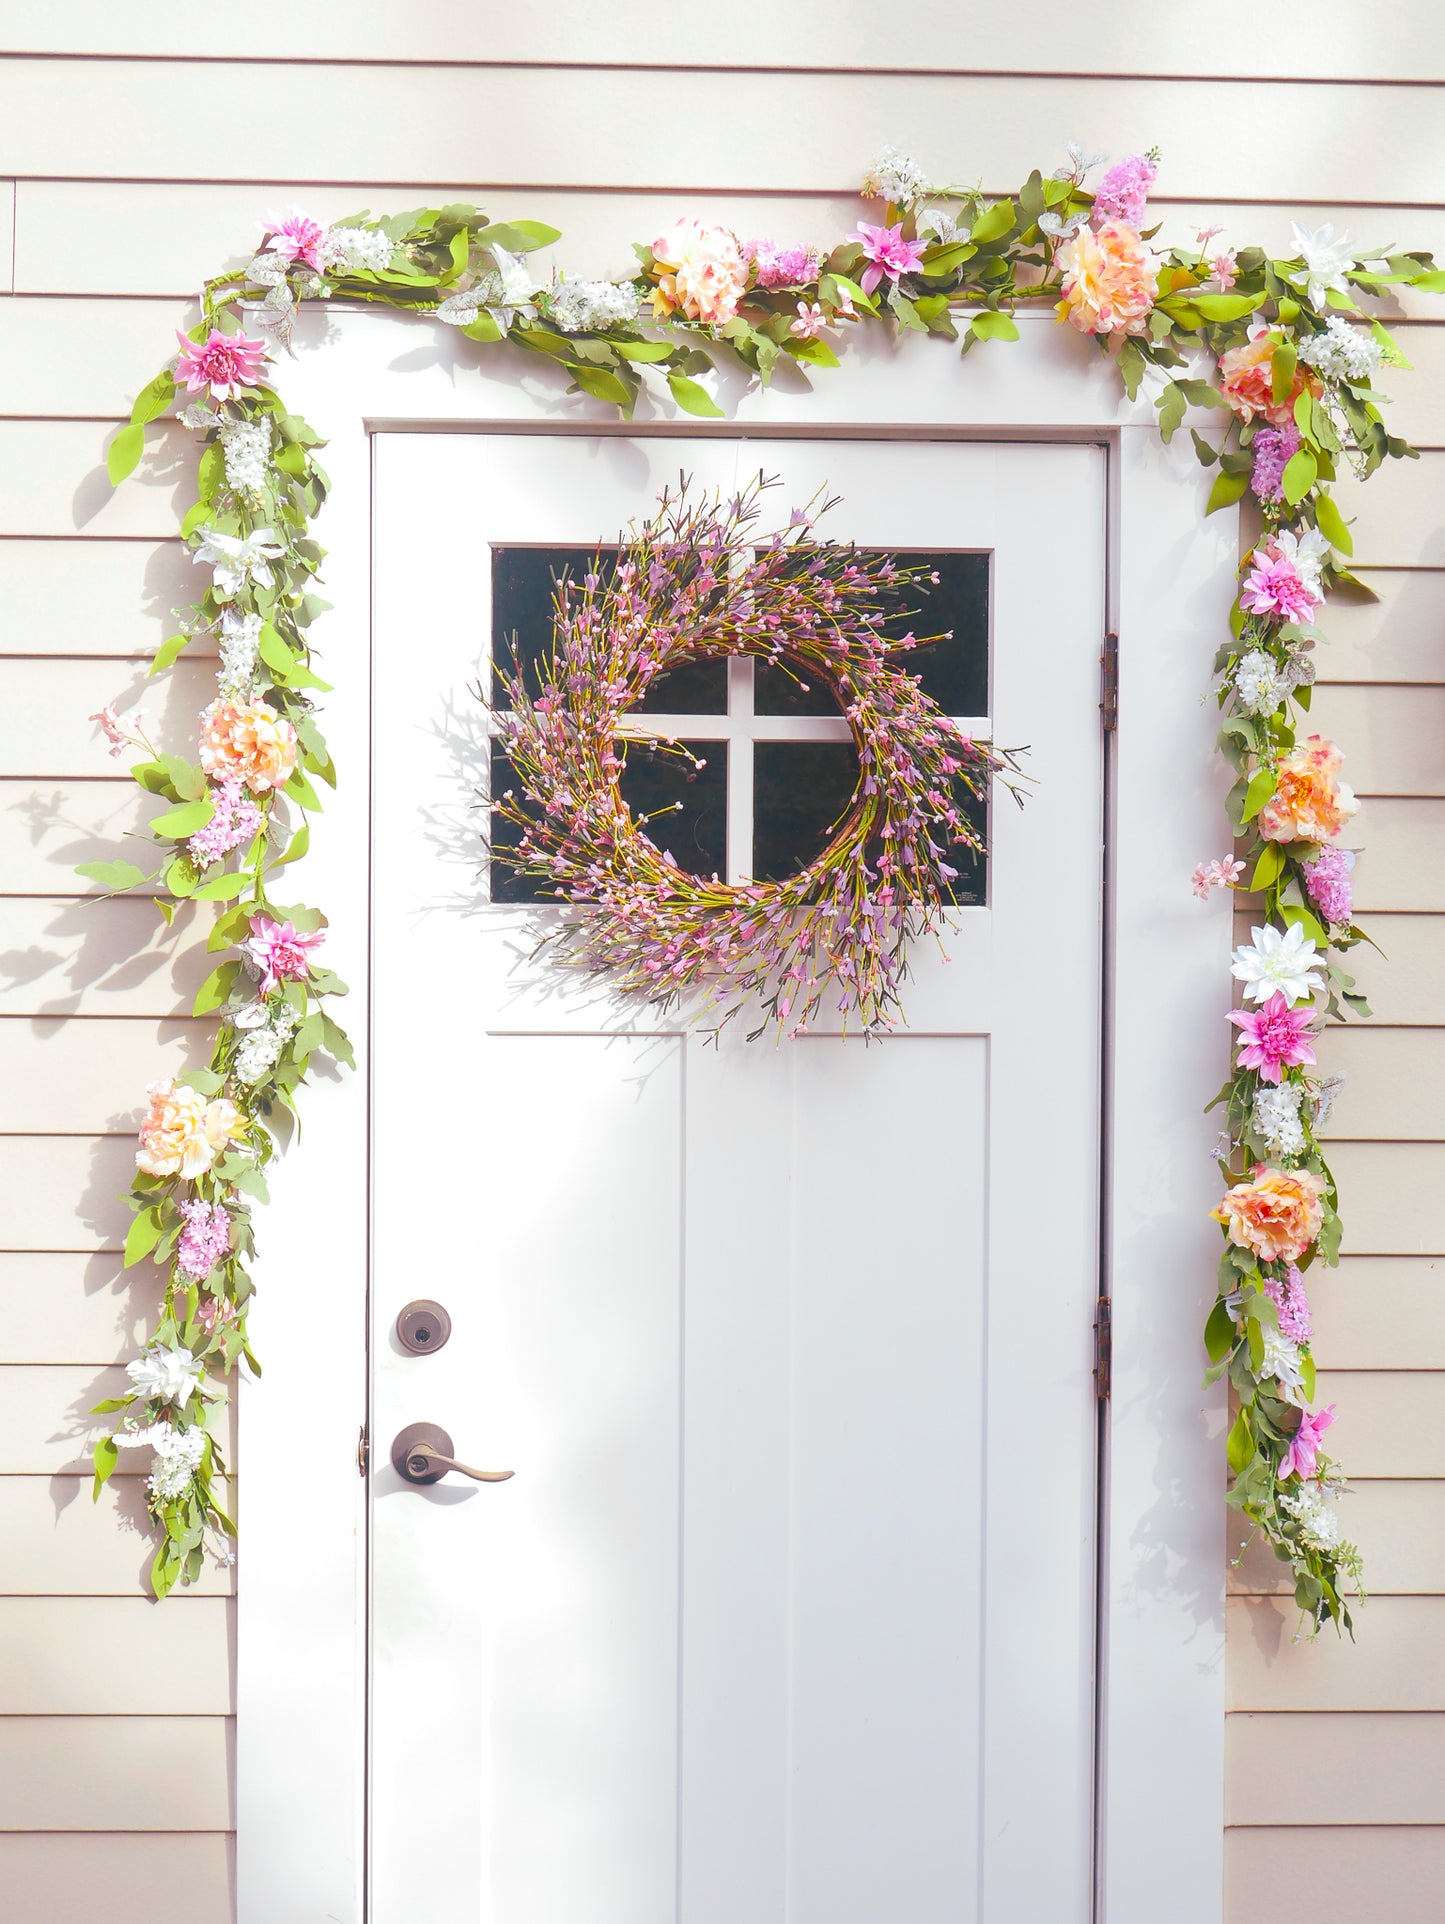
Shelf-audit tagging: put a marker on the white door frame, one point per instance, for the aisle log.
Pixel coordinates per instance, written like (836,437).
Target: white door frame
(301,1640)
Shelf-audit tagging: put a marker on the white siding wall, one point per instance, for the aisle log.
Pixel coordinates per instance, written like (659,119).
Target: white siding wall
(117,198)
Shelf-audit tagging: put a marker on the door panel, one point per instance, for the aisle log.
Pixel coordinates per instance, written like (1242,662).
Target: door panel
(787,1612)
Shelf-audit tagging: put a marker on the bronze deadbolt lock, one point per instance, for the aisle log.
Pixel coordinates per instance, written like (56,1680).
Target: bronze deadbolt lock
(422,1453)
(422,1327)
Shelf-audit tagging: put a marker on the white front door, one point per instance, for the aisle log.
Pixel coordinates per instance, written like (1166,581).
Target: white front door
(786,1616)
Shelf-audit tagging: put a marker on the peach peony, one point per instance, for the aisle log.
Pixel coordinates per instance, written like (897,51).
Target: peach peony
(249,742)
(1246,380)
(1310,804)
(1277,1213)
(700,270)
(183,1132)
(1110,281)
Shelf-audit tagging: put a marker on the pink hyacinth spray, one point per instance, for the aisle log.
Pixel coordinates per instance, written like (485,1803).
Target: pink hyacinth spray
(225,363)
(279,951)
(1274,1037)
(1287,1293)
(236,820)
(1124,190)
(1273,450)
(774,266)
(1327,878)
(205,1240)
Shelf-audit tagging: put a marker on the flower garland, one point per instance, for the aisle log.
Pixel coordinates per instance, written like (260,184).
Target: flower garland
(693,584)
(1295,368)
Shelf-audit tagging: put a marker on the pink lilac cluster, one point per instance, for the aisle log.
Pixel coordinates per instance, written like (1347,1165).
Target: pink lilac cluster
(235,822)
(1327,878)
(1274,1036)
(205,1240)
(886,252)
(1287,1293)
(1123,191)
(1273,449)
(698,582)
(1275,587)
(775,266)
(225,363)
(1222,873)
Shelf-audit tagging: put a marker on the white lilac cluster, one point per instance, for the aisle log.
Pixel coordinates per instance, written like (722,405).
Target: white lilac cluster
(896,177)
(580,306)
(1283,1362)
(264,1034)
(1341,352)
(1313,1508)
(246,446)
(356,250)
(1258,684)
(178,1457)
(1276,1118)
(240,638)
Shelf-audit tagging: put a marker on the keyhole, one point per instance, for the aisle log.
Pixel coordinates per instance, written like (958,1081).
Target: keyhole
(422,1335)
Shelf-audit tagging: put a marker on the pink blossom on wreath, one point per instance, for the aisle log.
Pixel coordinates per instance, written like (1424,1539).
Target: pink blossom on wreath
(1327,878)
(1273,449)
(1124,190)
(1222,271)
(295,236)
(1274,587)
(225,363)
(886,252)
(1274,1037)
(205,1240)
(121,731)
(1222,873)
(280,951)
(1302,1455)
(810,321)
(214,1311)
(1287,1293)
(235,822)
(775,266)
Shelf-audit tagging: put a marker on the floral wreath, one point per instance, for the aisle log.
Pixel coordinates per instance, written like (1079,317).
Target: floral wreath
(1293,357)
(693,584)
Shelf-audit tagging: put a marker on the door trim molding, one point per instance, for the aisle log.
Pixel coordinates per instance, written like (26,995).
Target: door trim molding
(301,1641)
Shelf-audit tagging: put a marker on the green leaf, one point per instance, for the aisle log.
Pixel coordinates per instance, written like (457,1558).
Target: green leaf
(188,779)
(1171,405)
(278,657)
(1224,307)
(644,351)
(123,455)
(142,1236)
(211,474)
(224,887)
(990,325)
(300,790)
(337,1042)
(1300,474)
(1428,283)
(154,398)
(1226,491)
(692,398)
(1240,1446)
(165,1569)
(604,385)
(175,824)
(1261,787)
(518,236)
(105,1456)
(167,653)
(181,876)
(1269,866)
(297,847)
(216,987)
(1219,1332)
(993,223)
(484,328)
(1282,367)
(1331,523)
(817,352)
(111,875)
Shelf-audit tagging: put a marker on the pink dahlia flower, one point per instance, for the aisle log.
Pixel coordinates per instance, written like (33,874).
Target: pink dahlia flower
(886,252)
(225,363)
(1274,1037)
(295,236)
(1303,1452)
(1274,587)
(280,951)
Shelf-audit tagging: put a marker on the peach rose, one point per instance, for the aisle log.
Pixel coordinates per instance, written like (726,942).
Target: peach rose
(249,742)
(183,1132)
(1277,1213)
(702,272)
(1246,380)
(1110,281)
(1310,804)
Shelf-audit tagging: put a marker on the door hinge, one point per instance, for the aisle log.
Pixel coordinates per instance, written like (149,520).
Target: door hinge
(363,1451)
(1109,684)
(1103,1349)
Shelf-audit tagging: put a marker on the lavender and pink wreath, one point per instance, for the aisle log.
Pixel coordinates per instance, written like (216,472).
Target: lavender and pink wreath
(697,582)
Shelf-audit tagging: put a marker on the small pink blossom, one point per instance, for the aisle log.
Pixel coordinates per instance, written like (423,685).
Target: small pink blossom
(121,731)
(810,322)
(886,252)
(216,1311)
(1274,1037)
(225,363)
(1221,873)
(280,951)
(1204,235)
(1275,587)
(295,236)
(1301,1456)
(1224,270)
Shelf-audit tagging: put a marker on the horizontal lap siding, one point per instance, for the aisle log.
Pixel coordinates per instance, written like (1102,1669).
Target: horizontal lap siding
(105,238)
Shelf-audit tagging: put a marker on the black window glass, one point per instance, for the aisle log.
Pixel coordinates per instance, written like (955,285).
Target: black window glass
(801,793)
